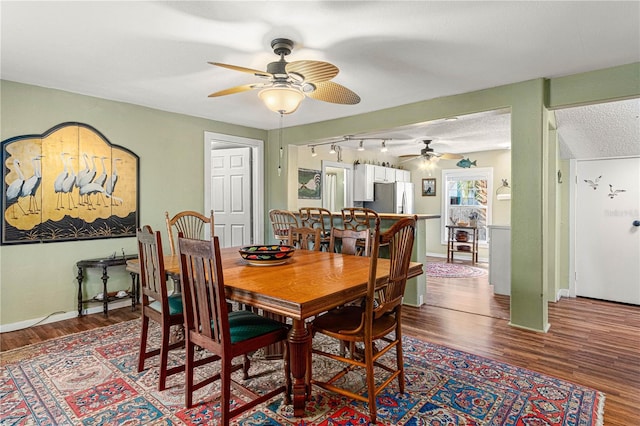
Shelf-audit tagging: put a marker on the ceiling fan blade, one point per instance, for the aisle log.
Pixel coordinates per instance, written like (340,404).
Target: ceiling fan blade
(236,89)
(448,156)
(405,158)
(313,71)
(329,91)
(257,73)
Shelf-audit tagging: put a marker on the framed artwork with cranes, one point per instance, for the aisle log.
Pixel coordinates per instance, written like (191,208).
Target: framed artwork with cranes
(309,184)
(69,183)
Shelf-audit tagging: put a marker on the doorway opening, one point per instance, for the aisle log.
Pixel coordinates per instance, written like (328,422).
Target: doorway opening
(237,195)
(338,187)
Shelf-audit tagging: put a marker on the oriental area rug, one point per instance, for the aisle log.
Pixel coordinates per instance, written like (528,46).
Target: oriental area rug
(453,270)
(90,378)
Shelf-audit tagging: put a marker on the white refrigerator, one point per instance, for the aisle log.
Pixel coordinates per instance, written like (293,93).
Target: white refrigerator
(394,197)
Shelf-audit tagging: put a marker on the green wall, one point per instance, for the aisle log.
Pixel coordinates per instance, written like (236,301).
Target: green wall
(37,280)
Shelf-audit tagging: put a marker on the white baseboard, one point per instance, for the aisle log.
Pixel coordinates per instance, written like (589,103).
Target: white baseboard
(440,255)
(59,316)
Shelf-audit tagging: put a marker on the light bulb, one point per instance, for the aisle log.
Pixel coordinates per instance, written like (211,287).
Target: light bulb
(284,100)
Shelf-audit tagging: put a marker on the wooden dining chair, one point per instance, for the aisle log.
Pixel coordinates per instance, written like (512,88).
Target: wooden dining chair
(318,217)
(305,238)
(357,219)
(192,225)
(348,241)
(281,221)
(225,334)
(157,305)
(378,320)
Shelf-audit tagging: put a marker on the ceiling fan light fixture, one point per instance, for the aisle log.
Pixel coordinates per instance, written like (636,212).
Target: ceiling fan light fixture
(284,100)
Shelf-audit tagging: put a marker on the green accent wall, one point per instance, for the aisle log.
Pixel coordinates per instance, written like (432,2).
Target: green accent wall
(39,279)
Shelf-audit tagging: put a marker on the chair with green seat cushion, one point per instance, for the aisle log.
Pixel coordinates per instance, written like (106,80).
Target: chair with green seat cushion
(209,325)
(156,304)
(175,304)
(378,320)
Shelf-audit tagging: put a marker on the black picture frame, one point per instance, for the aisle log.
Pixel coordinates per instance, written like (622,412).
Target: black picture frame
(429,187)
(69,199)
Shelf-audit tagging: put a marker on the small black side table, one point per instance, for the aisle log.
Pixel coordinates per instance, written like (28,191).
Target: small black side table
(103,263)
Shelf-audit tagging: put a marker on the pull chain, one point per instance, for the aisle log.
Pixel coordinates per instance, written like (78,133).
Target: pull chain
(280,145)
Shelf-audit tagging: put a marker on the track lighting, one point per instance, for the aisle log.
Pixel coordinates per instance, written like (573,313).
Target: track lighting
(361,146)
(333,149)
(384,147)
(313,151)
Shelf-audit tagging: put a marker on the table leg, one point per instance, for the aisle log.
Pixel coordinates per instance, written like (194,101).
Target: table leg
(299,350)
(134,290)
(80,277)
(105,296)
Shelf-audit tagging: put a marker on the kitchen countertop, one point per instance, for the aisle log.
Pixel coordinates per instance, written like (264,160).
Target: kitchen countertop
(399,216)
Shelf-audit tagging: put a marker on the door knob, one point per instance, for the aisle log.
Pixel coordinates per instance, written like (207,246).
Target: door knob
(636,223)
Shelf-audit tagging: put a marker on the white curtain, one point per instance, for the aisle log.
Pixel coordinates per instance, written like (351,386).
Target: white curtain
(330,191)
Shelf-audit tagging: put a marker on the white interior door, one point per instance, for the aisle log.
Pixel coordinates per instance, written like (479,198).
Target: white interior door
(231,195)
(607,243)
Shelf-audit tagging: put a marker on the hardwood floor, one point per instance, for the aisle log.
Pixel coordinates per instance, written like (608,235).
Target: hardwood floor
(592,343)
(40,333)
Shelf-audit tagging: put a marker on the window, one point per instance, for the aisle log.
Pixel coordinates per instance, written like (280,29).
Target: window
(466,194)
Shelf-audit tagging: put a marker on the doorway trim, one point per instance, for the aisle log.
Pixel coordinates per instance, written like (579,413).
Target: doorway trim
(213,141)
(348,172)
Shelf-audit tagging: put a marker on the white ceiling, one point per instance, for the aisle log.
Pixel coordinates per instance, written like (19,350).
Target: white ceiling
(391,53)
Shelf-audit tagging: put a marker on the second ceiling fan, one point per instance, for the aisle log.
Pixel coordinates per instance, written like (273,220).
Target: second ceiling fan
(289,82)
(429,153)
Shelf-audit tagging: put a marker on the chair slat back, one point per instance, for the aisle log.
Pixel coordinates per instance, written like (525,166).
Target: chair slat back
(317,217)
(358,218)
(305,238)
(348,241)
(281,221)
(153,280)
(191,224)
(205,306)
(399,239)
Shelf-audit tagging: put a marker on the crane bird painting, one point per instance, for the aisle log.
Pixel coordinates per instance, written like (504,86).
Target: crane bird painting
(309,184)
(61,186)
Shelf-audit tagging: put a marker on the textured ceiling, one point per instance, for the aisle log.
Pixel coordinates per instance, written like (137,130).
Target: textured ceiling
(391,53)
(598,131)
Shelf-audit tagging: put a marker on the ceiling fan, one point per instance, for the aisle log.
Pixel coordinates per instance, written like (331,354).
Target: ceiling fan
(429,153)
(288,83)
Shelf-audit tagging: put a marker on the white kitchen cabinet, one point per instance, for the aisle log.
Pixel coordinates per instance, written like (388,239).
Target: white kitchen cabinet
(379,174)
(500,259)
(363,182)
(390,175)
(368,174)
(402,175)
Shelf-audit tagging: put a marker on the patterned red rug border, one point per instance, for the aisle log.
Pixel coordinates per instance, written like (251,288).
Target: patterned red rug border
(96,383)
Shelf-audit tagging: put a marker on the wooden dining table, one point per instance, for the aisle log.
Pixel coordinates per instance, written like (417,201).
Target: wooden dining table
(309,283)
